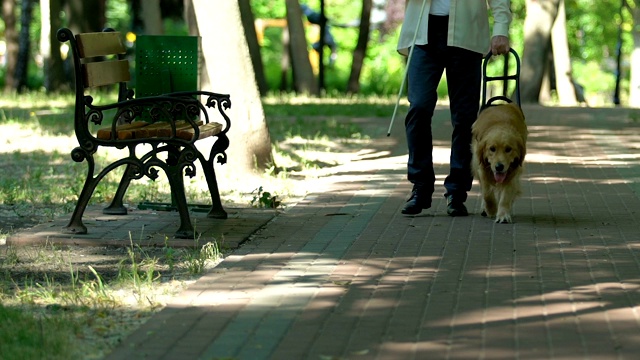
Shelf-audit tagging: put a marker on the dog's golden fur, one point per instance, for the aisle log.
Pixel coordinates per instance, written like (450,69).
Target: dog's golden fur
(499,147)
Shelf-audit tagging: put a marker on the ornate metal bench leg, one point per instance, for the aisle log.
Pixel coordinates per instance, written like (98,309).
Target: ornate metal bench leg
(75,225)
(217,211)
(185,231)
(117,205)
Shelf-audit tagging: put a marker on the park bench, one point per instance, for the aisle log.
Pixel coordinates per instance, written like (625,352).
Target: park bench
(153,132)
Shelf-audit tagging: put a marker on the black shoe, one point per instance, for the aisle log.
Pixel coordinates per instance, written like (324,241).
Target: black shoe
(456,207)
(418,201)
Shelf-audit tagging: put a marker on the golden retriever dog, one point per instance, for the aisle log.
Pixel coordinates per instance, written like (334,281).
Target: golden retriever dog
(499,145)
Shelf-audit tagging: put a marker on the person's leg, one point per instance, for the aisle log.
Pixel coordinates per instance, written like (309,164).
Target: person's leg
(424,74)
(464,81)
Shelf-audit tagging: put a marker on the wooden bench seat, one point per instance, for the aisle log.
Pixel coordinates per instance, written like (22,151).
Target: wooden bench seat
(141,130)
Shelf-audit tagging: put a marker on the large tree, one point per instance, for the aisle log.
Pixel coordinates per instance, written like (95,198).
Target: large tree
(634,83)
(361,48)
(228,67)
(86,15)
(248,23)
(561,60)
(151,17)
(24,48)
(303,77)
(11,39)
(54,78)
(538,23)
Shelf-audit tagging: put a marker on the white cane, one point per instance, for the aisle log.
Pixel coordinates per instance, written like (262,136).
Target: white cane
(406,70)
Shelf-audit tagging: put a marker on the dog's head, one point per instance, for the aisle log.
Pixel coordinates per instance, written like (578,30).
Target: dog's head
(499,140)
(502,151)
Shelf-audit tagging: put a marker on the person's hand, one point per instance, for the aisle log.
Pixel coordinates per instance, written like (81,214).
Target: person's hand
(499,45)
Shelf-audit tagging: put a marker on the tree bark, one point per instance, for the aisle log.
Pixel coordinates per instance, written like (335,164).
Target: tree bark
(24,41)
(561,60)
(537,39)
(285,60)
(248,23)
(303,79)
(54,78)
(11,39)
(361,48)
(228,65)
(151,17)
(634,83)
(86,15)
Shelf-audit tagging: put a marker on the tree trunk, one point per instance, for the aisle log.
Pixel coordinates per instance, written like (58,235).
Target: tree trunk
(561,60)
(537,38)
(285,60)
(54,78)
(634,83)
(86,15)
(24,41)
(11,39)
(228,65)
(303,79)
(151,17)
(361,48)
(248,23)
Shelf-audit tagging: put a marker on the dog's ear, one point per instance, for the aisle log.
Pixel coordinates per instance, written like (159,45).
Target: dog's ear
(522,151)
(481,154)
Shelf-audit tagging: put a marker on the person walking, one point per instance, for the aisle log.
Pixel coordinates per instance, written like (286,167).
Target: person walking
(452,35)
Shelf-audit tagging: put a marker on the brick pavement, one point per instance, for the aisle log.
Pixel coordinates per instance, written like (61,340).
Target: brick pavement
(343,275)
(147,228)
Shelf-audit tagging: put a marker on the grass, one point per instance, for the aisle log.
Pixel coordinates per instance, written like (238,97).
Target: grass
(51,300)
(29,336)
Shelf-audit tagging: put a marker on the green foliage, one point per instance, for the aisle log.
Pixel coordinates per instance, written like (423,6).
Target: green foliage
(118,15)
(28,335)
(264,199)
(197,258)
(592,29)
(268,9)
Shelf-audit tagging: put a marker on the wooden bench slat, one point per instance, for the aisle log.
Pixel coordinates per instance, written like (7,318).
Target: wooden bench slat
(125,131)
(180,125)
(153,130)
(100,44)
(106,73)
(206,131)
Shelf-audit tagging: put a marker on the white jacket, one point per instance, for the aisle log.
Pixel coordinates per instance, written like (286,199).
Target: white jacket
(468,24)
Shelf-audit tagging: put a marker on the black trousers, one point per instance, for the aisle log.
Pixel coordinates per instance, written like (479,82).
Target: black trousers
(463,71)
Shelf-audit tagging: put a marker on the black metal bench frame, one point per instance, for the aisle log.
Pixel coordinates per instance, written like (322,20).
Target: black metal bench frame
(182,115)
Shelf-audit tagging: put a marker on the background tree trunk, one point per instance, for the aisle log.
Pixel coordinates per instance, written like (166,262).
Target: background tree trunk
(537,39)
(86,15)
(24,48)
(11,38)
(248,23)
(303,79)
(228,65)
(54,78)
(561,60)
(634,82)
(285,60)
(151,17)
(361,48)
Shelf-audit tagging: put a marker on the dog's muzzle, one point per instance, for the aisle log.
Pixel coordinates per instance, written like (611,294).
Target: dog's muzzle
(500,173)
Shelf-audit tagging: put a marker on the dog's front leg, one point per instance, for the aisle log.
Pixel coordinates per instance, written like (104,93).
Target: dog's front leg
(489,204)
(505,203)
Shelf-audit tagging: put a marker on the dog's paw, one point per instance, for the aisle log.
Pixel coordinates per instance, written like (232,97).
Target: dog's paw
(503,219)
